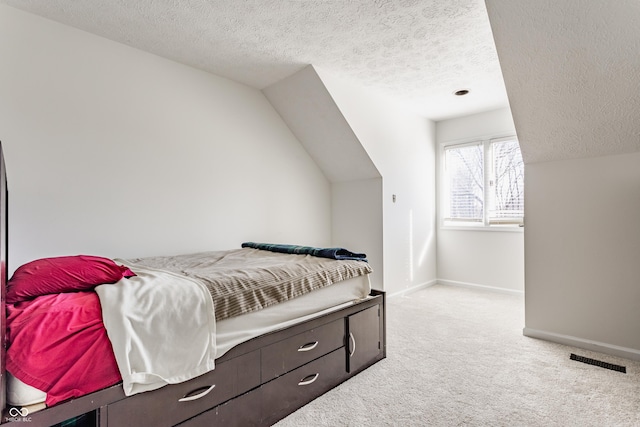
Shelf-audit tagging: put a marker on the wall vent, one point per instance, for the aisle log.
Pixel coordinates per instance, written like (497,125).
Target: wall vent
(599,363)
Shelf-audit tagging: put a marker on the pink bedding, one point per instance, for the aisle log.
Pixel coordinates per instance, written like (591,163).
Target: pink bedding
(58,344)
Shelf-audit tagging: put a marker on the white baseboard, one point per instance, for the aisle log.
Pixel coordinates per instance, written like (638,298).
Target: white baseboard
(412,289)
(476,286)
(600,347)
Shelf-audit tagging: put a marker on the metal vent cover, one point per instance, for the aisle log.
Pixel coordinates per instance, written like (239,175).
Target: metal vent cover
(599,363)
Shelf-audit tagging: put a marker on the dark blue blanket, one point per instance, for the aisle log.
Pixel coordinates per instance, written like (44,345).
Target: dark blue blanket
(333,253)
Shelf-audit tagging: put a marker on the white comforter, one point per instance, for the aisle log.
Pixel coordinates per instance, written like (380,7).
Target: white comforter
(161,326)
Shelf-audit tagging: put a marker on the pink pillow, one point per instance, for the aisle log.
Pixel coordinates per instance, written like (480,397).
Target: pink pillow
(62,274)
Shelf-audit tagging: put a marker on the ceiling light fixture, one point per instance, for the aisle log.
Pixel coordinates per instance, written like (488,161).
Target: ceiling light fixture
(461,92)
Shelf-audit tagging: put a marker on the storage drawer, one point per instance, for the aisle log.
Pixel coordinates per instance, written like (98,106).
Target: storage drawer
(289,392)
(288,354)
(243,411)
(163,407)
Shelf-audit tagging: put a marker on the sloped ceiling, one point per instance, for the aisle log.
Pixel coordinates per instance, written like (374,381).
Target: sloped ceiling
(416,51)
(572,72)
(305,104)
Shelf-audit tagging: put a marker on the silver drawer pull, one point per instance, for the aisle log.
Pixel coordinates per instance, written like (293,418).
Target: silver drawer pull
(309,379)
(308,346)
(205,391)
(353,349)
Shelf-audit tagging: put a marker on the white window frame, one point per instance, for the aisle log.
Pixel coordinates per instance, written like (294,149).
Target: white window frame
(487,223)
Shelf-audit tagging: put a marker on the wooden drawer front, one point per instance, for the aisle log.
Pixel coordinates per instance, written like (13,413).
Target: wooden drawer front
(162,407)
(288,354)
(289,392)
(243,411)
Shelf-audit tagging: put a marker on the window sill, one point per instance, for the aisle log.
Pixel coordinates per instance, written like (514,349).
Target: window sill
(492,228)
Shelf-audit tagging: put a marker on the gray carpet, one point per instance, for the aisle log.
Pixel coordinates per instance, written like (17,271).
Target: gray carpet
(457,357)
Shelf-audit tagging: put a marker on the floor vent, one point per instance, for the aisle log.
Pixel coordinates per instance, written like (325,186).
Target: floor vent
(600,363)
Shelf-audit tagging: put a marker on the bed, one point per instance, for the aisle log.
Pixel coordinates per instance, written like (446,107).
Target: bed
(256,357)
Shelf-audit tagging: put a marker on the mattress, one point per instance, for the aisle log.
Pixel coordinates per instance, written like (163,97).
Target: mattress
(236,330)
(244,280)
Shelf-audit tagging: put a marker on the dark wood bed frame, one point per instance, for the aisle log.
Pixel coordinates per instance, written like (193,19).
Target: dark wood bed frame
(255,383)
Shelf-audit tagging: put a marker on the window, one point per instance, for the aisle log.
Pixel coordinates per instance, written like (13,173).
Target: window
(483,183)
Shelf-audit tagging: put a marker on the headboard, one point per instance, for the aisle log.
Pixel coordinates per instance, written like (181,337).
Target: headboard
(4,246)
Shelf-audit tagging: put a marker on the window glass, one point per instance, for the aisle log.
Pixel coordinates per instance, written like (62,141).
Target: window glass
(507,182)
(465,181)
(483,183)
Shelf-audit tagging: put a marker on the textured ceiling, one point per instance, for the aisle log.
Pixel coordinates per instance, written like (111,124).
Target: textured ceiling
(572,69)
(416,51)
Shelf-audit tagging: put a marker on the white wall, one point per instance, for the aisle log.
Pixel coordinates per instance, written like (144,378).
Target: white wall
(571,72)
(116,152)
(487,258)
(356,221)
(583,252)
(402,147)
(307,107)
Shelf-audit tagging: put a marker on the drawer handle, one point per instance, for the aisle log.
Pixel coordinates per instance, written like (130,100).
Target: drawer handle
(308,346)
(205,391)
(309,379)
(353,340)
